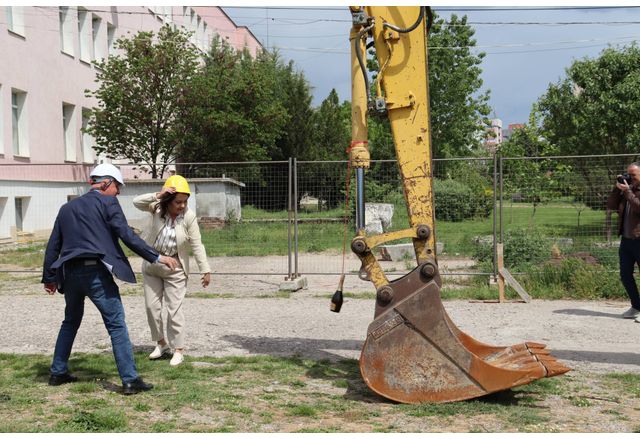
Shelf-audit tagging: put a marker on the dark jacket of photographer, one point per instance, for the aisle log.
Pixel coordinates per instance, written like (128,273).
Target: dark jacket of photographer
(618,200)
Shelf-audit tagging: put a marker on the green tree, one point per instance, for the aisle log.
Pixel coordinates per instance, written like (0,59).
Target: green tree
(535,180)
(293,92)
(330,139)
(140,98)
(233,113)
(595,110)
(331,129)
(459,109)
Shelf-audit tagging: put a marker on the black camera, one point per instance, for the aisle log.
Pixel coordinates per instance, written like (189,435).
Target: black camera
(624,178)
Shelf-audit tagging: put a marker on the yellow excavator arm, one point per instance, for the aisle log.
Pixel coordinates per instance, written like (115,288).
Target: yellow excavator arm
(414,352)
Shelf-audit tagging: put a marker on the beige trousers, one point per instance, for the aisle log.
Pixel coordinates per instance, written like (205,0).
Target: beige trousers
(163,286)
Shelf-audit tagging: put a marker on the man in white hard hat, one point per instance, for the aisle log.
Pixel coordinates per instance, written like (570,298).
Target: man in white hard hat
(82,256)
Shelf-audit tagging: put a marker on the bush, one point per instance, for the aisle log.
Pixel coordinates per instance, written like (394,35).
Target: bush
(578,279)
(522,248)
(456,201)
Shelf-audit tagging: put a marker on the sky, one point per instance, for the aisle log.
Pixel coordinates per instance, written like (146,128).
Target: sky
(526,48)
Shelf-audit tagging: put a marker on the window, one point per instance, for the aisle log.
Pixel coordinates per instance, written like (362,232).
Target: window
(193,26)
(168,14)
(185,17)
(19,206)
(205,38)
(199,33)
(19,123)
(98,42)
(111,39)
(66,30)
(84,34)
(4,222)
(69,132)
(85,138)
(1,126)
(15,19)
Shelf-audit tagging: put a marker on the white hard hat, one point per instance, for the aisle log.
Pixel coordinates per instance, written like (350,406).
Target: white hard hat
(107,170)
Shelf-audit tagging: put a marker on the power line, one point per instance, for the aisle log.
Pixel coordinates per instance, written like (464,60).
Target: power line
(305,21)
(448,9)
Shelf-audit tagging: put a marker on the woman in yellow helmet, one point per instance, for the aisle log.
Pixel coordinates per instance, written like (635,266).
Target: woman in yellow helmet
(173,232)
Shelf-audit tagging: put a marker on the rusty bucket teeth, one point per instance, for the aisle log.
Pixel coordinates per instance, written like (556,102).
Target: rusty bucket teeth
(414,353)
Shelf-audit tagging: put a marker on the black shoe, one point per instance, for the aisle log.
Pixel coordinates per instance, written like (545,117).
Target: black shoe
(136,386)
(56,380)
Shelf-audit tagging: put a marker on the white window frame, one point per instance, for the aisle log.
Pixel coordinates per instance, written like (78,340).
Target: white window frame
(186,17)
(205,37)
(15,19)
(87,141)
(69,132)
(193,27)
(67,18)
(1,126)
(98,37)
(111,39)
(84,35)
(20,209)
(167,14)
(19,129)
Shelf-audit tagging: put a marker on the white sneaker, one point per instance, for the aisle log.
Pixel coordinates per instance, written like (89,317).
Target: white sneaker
(159,351)
(631,313)
(177,359)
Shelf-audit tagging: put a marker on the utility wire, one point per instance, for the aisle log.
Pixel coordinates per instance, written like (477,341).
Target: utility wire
(305,21)
(450,9)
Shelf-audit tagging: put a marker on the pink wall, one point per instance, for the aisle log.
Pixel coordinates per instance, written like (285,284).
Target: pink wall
(34,63)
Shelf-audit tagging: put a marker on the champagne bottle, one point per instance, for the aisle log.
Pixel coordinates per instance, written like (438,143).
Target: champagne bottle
(336,300)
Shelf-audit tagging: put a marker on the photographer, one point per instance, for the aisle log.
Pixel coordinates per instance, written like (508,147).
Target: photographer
(625,198)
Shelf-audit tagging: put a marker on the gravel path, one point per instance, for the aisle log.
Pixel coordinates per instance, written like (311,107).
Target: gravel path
(587,336)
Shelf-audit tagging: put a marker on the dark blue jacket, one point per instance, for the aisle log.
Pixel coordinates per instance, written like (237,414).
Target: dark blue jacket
(90,225)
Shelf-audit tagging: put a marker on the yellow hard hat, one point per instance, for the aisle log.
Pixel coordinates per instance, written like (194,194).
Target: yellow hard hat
(178,182)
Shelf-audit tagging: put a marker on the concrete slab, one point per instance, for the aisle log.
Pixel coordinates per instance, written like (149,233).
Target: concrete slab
(294,284)
(399,252)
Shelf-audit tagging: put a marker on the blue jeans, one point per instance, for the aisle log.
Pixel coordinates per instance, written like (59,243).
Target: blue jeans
(630,256)
(96,283)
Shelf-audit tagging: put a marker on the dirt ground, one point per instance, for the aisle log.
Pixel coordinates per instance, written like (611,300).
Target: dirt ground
(243,315)
(246,315)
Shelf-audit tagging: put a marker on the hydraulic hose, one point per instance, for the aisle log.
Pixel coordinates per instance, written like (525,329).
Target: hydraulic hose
(363,67)
(412,27)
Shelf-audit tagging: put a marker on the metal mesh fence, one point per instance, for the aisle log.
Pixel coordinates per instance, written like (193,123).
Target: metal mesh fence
(289,217)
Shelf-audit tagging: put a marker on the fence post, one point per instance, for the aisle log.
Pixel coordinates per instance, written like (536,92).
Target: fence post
(495,208)
(289,217)
(501,192)
(295,217)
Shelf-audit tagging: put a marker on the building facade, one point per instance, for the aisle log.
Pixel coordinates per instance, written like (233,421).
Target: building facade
(47,56)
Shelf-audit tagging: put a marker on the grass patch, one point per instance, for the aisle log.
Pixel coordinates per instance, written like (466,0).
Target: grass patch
(302,410)
(109,420)
(267,394)
(270,238)
(27,257)
(626,382)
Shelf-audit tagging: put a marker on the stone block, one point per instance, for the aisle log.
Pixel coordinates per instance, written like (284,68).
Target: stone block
(294,284)
(377,217)
(399,252)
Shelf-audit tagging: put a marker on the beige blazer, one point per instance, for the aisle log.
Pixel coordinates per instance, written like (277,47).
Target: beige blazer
(187,232)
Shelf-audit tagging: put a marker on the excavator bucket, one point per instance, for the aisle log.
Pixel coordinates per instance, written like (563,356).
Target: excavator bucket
(414,353)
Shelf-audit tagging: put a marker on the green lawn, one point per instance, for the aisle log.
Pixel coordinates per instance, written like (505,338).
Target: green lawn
(253,237)
(263,238)
(268,394)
